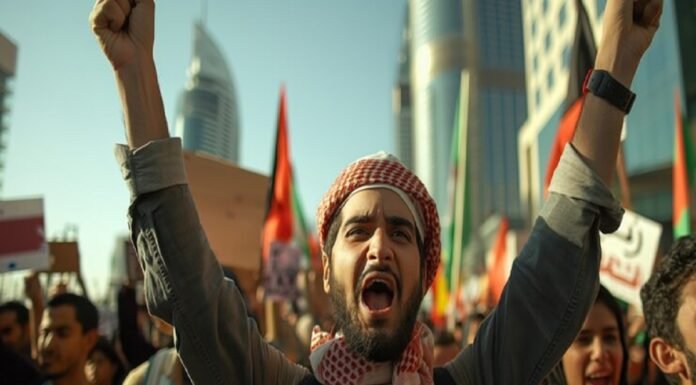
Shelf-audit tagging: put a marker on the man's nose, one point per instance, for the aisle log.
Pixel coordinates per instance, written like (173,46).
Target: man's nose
(380,249)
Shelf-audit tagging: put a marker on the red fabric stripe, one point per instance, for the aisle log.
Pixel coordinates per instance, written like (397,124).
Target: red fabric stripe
(21,235)
(680,177)
(278,225)
(497,276)
(566,130)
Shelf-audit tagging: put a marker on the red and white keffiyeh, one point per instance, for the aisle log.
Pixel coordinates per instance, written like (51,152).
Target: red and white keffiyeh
(385,169)
(333,363)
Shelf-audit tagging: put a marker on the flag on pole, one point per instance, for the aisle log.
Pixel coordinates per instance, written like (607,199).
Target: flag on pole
(683,174)
(498,272)
(458,232)
(582,59)
(286,243)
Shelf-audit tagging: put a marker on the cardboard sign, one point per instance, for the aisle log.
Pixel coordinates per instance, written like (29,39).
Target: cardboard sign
(22,235)
(628,256)
(280,275)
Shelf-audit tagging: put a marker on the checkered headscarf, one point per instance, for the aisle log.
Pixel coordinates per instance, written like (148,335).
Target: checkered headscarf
(385,169)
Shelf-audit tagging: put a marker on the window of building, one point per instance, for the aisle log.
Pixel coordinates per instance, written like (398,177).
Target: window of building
(562,14)
(566,57)
(550,79)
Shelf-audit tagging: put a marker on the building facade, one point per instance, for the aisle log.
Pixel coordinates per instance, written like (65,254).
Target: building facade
(207,118)
(8,68)
(484,38)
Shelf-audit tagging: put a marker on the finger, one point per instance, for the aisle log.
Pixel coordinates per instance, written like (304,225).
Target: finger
(651,14)
(125,6)
(617,10)
(108,14)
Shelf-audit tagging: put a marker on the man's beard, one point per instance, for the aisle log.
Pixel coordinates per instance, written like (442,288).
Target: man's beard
(375,346)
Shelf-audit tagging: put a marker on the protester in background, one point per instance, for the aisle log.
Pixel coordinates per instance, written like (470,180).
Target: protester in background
(472,326)
(15,328)
(446,348)
(68,333)
(599,353)
(669,306)
(162,368)
(104,367)
(17,369)
(380,239)
(136,348)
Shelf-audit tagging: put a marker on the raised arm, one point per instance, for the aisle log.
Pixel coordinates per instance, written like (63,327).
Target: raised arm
(184,284)
(629,27)
(125,30)
(555,278)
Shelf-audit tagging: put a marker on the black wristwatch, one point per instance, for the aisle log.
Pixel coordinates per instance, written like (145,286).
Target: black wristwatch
(603,85)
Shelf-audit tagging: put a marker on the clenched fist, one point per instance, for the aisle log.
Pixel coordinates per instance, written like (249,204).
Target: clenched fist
(124,29)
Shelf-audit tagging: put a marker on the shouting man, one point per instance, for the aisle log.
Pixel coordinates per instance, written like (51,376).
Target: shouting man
(380,237)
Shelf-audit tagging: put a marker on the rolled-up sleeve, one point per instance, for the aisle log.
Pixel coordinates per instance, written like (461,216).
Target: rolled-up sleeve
(552,284)
(184,284)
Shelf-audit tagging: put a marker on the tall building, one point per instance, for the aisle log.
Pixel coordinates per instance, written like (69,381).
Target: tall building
(549,27)
(207,116)
(8,67)
(402,101)
(483,37)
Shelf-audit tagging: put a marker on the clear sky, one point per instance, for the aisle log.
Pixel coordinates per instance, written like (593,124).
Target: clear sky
(338,60)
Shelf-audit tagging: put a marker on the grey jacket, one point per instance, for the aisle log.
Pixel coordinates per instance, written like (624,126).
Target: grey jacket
(551,287)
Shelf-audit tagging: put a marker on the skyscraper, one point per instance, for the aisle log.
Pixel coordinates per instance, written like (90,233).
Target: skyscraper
(483,37)
(8,64)
(207,116)
(549,27)
(402,101)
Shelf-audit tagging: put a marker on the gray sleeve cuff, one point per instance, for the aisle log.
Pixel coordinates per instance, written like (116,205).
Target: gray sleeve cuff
(576,180)
(154,166)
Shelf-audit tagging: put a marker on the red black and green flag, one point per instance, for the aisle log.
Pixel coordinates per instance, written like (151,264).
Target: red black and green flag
(286,242)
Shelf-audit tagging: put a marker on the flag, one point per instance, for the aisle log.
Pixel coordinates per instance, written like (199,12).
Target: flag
(582,59)
(498,272)
(440,298)
(458,233)
(682,175)
(286,243)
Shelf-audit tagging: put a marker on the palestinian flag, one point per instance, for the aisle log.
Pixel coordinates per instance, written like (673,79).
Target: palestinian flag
(683,174)
(286,243)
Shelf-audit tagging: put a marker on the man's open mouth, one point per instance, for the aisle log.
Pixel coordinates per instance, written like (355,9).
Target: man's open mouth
(378,292)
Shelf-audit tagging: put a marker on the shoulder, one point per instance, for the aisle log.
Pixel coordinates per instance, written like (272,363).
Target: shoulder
(137,375)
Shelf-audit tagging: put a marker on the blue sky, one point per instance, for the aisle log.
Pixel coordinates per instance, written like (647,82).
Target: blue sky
(338,61)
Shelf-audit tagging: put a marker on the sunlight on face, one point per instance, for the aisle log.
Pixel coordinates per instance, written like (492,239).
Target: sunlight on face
(595,357)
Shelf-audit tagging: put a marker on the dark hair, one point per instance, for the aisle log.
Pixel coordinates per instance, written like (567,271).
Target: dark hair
(662,294)
(604,296)
(21,311)
(85,311)
(106,348)
(444,338)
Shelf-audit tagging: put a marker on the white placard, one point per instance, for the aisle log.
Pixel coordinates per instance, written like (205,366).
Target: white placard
(628,256)
(22,236)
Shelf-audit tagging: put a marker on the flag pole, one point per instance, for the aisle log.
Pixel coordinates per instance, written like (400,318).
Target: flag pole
(457,245)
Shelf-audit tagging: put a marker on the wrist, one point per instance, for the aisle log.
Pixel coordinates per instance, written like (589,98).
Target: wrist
(622,69)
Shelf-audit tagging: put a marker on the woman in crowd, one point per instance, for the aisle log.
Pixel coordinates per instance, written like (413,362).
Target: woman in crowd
(104,367)
(598,356)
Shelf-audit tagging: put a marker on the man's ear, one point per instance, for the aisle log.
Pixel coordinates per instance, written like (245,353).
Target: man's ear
(89,340)
(326,267)
(668,358)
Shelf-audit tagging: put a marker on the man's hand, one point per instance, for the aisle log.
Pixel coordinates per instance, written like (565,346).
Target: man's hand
(629,27)
(124,29)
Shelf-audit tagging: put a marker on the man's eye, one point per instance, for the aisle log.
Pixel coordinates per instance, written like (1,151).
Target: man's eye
(401,234)
(356,232)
